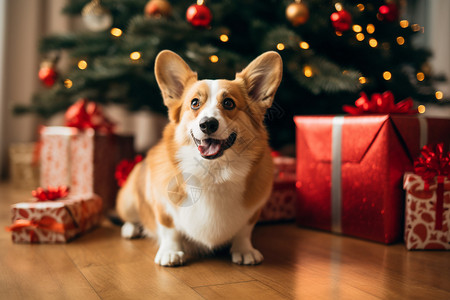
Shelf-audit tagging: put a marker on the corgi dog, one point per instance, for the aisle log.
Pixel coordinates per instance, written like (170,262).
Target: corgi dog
(204,184)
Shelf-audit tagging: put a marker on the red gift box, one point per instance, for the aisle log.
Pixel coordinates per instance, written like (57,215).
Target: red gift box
(85,160)
(55,221)
(421,230)
(281,204)
(350,170)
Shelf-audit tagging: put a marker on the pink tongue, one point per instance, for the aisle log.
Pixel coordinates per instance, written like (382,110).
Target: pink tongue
(209,149)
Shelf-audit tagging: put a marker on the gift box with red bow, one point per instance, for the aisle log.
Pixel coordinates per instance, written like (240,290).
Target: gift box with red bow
(350,168)
(281,204)
(84,154)
(54,217)
(427,211)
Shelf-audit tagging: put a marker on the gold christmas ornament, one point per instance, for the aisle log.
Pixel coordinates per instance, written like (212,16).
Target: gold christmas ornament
(297,13)
(158,8)
(96,17)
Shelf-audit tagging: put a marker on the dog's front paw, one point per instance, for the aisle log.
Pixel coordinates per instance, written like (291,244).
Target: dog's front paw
(246,256)
(131,230)
(169,258)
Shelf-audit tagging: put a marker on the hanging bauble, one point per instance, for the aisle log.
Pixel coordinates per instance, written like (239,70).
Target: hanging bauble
(157,9)
(388,12)
(341,20)
(297,13)
(199,15)
(47,73)
(96,17)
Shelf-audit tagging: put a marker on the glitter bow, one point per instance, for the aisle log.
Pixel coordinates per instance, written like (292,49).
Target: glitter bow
(434,163)
(51,193)
(85,114)
(380,104)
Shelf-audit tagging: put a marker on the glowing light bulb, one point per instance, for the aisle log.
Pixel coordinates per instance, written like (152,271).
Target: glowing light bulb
(135,55)
(387,75)
(370,28)
(224,38)
(421,109)
(214,58)
(360,37)
(362,80)
(415,27)
(404,23)
(439,95)
(68,83)
(420,76)
(338,6)
(357,28)
(82,64)
(400,40)
(338,33)
(280,46)
(373,43)
(304,45)
(361,7)
(200,2)
(116,32)
(307,71)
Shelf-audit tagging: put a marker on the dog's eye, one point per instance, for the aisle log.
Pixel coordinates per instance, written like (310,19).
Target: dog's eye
(195,104)
(228,103)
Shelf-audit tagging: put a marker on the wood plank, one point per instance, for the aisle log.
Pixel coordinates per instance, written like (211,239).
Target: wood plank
(242,290)
(40,272)
(137,280)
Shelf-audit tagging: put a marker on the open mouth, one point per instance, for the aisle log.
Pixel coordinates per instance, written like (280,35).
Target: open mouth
(212,148)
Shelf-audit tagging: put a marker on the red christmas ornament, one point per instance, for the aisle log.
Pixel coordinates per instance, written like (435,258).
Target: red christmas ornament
(199,15)
(388,12)
(341,20)
(47,74)
(158,8)
(51,193)
(124,169)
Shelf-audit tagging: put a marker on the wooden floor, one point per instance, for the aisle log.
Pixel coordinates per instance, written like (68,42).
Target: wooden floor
(299,263)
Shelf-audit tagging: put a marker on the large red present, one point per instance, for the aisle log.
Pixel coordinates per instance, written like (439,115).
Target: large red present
(85,160)
(282,201)
(350,170)
(55,221)
(422,228)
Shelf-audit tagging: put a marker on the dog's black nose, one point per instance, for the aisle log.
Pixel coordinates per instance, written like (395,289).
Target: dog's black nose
(209,125)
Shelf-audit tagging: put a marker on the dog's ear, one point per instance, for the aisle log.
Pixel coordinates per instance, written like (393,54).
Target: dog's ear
(172,74)
(262,78)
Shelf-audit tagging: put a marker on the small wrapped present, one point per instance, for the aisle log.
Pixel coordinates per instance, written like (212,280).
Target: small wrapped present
(350,168)
(427,211)
(24,165)
(281,204)
(57,220)
(83,156)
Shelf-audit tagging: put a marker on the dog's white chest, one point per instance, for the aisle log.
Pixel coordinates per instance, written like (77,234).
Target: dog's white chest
(215,216)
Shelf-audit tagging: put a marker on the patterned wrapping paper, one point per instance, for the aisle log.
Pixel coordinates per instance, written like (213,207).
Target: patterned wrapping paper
(281,204)
(83,160)
(420,215)
(350,171)
(55,221)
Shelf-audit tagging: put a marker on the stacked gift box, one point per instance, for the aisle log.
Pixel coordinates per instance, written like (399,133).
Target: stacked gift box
(80,157)
(350,168)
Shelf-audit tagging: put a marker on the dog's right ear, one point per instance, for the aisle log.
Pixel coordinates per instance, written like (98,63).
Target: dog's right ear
(172,74)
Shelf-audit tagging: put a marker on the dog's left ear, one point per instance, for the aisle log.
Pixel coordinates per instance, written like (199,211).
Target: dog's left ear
(262,78)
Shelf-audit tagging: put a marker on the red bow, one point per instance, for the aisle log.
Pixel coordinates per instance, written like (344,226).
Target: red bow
(434,163)
(51,193)
(45,223)
(380,104)
(124,169)
(85,114)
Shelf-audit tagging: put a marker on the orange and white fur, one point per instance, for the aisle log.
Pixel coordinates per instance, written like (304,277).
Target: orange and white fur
(203,185)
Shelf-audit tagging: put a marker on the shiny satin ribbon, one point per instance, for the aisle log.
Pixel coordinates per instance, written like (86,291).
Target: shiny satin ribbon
(336,175)
(46,224)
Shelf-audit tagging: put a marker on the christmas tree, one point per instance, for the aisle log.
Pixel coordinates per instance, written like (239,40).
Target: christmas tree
(332,51)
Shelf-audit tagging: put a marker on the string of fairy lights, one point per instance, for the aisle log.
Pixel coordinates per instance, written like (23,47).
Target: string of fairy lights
(361,35)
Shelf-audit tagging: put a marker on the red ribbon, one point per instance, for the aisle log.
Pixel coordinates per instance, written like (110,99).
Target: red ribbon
(380,104)
(51,193)
(45,223)
(85,114)
(124,169)
(434,163)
